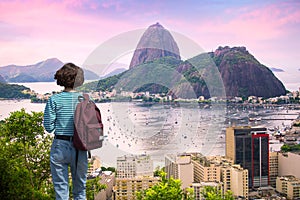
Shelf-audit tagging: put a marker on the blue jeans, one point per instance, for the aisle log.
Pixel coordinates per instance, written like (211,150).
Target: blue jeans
(62,155)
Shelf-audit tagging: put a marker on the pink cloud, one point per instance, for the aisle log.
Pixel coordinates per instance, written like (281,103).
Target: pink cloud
(112,4)
(246,25)
(267,22)
(71,29)
(52,29)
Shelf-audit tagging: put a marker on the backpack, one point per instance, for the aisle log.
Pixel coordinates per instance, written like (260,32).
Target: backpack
(88,127)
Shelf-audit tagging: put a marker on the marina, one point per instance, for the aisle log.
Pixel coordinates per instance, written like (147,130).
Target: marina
(158,129)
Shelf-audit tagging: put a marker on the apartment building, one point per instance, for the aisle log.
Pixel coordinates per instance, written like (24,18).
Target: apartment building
(273,159)
(218,169)
(108,178)
(126,188)
(95,164)
(129,166)
(134,173)
(288,186)
(180,167)
(235,179)
(288,164)
(206,169)
(198,188)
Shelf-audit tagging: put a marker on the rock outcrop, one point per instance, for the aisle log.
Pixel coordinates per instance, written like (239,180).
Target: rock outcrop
(240,74)
(243,75)
(233,70)
(155,43)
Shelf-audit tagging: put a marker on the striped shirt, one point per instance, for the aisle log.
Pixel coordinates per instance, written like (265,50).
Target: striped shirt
(59,113)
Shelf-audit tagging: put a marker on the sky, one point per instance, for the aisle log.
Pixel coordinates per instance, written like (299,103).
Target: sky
(35,30)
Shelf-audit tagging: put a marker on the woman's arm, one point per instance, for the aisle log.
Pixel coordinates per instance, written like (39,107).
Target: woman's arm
(50,115)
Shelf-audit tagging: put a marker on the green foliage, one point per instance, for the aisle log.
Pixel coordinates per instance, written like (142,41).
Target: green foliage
(154,76)
(165,190)
(93,187)
(112,169)
(34,99)
(188,194)
(234,57)
(13,91)
(213,193)
(152,87)
(158,170)
(108,83)
(290,148)
(296,124)
(131,79)
(87,87)
(193,75)
(24,157)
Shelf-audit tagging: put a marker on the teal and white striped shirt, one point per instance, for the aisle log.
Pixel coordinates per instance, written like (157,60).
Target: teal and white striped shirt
(59,113)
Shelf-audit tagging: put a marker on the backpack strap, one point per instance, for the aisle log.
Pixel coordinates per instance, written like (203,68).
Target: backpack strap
(83,97)
(86,96)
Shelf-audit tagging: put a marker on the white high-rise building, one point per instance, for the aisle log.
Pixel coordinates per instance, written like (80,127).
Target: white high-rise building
(134,173)
(130,166)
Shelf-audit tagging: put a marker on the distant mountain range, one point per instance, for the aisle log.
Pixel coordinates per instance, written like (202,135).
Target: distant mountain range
(40,72)
(2,80)
(156,67)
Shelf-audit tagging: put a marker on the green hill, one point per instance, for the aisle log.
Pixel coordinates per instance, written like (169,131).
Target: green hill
(13,91)
(227,71)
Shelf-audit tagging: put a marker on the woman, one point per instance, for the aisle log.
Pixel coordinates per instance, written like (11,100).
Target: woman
(58,118)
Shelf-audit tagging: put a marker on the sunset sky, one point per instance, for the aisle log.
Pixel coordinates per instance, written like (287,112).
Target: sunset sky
(32,31)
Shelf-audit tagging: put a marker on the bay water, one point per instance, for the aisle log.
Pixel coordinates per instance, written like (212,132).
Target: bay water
(159,129)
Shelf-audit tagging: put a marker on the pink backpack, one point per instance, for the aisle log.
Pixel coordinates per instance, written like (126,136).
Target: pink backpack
(88,132)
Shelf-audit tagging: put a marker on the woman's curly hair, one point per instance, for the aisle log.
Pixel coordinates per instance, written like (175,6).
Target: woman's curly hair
(69,76)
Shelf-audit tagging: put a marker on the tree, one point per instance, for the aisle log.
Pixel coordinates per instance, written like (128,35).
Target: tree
(213,193)
(13,91)
(112,169)
(158,170)
(24,157)
(93,187)
(290,147)
(165,190)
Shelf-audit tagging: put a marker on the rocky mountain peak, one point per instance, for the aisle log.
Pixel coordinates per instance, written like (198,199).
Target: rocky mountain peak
(223,50)
(243,75)
(157,25)
(156,42)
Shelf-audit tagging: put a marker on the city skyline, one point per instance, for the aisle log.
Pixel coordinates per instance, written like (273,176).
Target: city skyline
(32,31)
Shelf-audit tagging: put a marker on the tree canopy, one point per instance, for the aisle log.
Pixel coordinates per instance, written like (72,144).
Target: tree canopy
(24,157)
(165,190)
(213,193)
(13,91)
